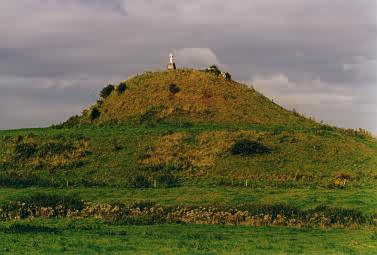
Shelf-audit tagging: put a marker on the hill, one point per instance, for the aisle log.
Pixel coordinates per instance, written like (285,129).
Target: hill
(191,96)
(182,127)
(180,152)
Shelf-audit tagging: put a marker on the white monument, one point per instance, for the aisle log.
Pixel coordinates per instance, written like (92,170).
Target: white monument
(171,65)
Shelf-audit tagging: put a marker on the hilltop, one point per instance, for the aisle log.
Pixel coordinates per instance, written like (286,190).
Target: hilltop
(192,96)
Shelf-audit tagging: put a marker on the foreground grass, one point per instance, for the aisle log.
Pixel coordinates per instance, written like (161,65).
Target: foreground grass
(94,237)
(363,199)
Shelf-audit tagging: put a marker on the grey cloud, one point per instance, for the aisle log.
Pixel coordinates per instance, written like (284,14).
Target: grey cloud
(87,43)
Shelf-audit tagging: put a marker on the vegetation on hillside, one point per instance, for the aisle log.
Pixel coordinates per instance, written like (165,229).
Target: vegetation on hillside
(190,147)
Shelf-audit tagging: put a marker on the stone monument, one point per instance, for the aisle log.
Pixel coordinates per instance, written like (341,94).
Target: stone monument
(171,65)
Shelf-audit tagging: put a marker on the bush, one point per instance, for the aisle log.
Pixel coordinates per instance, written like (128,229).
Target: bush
(51,148)
(19,228)
(168,180)
(24,151)
(214,69)
(140,181)
(174,89)
(19,181)
(94,114)
(246,147)
(52,200)
(106,91)
(121,87)
(72,122)
(339,215)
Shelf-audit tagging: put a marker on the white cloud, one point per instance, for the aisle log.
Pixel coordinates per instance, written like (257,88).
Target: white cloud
(337,104)
(311,92)
(196,57)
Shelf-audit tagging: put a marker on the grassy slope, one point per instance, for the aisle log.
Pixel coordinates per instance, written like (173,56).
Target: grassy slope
(299,158)
(203,98)
(219,111)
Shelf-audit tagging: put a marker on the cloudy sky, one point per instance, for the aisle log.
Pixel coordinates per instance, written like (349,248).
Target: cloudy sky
(317,56)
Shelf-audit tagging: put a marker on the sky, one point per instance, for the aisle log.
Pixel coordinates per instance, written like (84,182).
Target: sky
(316,56)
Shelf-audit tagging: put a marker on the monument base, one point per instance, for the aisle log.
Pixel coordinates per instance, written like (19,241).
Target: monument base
(171,66)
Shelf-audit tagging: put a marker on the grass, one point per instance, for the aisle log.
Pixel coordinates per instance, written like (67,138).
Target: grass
(199,97)
(93,237)
(305,198)
(110,156)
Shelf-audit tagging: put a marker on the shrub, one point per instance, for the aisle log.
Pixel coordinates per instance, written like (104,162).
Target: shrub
(168,180)
(52,200)
(24,151)
(20,181)
(54,148)
(174,89)
(20,228)
(246,147)
(106,91)
(214,69)
(140,181)
(339,215)
(72,122)
(121,87)
(94,114)
(228,76)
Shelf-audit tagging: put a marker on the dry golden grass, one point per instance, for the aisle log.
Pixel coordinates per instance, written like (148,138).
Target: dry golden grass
(203,97)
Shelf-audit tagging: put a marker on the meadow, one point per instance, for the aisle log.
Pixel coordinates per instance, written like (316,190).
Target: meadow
(59,236)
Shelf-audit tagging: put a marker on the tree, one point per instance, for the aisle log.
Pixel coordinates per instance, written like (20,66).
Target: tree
(106,91)
(214,69)
(173,88)
(121,87)
(246,147)
(94,113)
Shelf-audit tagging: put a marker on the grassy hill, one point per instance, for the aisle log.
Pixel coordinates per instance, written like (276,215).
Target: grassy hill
(192,96)
(190,149)
(172,128)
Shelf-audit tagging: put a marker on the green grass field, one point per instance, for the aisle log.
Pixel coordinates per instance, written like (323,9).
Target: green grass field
(93,237)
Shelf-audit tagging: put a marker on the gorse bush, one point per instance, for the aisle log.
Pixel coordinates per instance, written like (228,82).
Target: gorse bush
(94,114)
(72,122)
(214,69)
(24,151)
(148,213)
(54,148)
(140,181)
(121,87)
(21,228)
(22,181)
(174,89)
(339,215)
(247,147)
(168,180)
(72,202)
(106,91)
(227,76)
